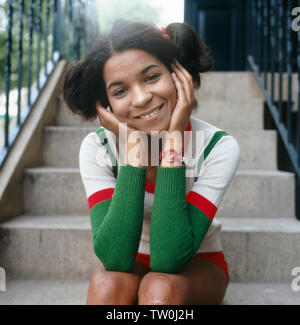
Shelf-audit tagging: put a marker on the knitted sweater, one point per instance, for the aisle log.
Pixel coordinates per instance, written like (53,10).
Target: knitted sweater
(173,219)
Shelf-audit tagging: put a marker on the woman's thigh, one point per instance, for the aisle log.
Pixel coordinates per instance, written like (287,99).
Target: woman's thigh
(208,282)
(200,282)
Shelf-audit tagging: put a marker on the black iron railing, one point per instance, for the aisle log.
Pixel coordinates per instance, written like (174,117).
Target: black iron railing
(274,57)
(34,35)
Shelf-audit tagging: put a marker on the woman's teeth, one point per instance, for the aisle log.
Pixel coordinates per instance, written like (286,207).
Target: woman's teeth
(151,114)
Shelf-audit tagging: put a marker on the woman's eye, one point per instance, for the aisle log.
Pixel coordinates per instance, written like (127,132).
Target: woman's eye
(152,77)
(118,92)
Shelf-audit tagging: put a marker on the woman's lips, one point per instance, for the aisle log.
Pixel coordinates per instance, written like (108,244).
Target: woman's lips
(154,116)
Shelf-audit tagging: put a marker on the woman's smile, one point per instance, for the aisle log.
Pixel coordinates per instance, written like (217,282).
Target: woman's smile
(153,115)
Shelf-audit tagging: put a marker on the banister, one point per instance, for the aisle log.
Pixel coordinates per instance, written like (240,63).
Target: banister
(274,54)
(36,38)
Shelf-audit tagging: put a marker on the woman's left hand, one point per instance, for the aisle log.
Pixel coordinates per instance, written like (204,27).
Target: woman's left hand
(185,98)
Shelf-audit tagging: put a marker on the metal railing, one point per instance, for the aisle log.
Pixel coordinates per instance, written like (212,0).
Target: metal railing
(37,33)
(274,57)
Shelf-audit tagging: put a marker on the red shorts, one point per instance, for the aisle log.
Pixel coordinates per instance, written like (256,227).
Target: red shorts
(215,257)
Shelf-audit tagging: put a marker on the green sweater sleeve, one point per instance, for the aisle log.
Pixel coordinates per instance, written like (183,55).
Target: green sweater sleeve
(177,227)
(117,222)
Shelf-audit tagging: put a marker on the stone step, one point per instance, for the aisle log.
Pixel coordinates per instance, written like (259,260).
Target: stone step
(62,143)
(255,193)
(74,292)
(45,292)
(54,190)
(252,193)
(247,114)
(224,113)
(66,117)
(261,249)
(47,247)
(229,85)
(60,247)
(258,148)
(261,294)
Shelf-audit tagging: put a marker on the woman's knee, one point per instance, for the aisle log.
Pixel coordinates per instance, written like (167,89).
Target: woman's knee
(110,287)
(163,289)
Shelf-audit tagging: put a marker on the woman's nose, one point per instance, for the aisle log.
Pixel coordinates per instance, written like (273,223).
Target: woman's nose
(140,96)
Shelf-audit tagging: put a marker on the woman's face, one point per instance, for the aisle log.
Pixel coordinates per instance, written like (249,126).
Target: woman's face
(137,84)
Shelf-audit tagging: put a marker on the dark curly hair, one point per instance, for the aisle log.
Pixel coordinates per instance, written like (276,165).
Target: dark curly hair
(83,81)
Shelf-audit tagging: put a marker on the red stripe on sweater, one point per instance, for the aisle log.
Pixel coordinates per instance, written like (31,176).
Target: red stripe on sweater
(100,196)
(149,187)
(202,204)
(189,127)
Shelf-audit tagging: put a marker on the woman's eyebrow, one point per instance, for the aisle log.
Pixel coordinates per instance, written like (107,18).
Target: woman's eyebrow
(148,68)
(117,83)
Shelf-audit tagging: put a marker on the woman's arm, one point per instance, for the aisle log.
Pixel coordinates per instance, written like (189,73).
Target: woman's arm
(117,218)
(179,222)
(116,205)
(117,222)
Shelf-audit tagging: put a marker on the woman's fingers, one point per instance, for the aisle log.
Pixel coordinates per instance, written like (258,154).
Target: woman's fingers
(180,85)
(185,73)
(107,119)
(180,90)
(100,109)
(103,115)
(185,78)
(110,121)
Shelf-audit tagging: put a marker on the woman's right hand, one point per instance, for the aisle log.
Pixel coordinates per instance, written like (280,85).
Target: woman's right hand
(110,122)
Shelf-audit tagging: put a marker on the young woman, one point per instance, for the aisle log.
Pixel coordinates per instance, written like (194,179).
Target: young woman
(146,77)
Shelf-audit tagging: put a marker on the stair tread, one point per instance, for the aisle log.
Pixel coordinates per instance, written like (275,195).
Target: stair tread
(82,222)
(248,247)
(262,172)
(74,292)
(53,169)
(45,292)
(283,224)
(261,294)
(49,222)
(69,127)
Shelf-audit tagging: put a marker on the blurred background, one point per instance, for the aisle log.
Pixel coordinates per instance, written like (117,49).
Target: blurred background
(158,12)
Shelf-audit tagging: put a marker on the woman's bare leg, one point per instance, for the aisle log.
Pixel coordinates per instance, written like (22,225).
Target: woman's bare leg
(201,282)
(115,288)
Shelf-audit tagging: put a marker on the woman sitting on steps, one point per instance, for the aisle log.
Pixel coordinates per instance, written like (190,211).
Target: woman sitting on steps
(153,225)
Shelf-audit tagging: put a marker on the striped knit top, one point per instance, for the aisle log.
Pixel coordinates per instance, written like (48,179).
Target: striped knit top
(215,155)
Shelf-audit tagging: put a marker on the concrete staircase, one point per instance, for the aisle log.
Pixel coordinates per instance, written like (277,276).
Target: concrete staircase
(48,252)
